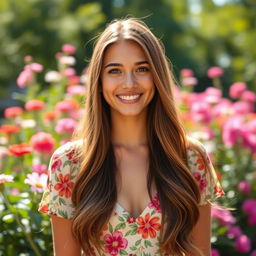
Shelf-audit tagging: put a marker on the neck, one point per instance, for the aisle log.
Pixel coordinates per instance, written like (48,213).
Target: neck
(129,132)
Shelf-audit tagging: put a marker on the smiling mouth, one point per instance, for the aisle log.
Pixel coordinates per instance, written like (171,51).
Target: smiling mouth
(129,98)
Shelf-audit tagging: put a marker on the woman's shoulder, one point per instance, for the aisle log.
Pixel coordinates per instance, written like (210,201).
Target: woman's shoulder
(65,157)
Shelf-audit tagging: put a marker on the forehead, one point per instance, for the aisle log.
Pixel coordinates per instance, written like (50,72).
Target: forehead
(124,51)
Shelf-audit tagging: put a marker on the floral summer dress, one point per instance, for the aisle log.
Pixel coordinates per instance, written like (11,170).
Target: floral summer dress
(124,234)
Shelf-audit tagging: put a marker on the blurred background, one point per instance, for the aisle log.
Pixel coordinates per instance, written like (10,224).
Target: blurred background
(211,44)
(197,34)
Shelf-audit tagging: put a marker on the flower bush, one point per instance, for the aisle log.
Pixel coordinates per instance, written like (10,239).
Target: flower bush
(29,135)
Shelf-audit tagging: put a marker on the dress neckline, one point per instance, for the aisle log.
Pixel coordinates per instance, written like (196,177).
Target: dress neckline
(120,209)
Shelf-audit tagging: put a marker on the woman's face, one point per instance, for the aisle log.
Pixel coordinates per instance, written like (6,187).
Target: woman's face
(127,81)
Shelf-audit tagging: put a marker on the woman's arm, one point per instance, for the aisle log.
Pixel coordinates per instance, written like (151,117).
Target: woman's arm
(63,241)
(201,233)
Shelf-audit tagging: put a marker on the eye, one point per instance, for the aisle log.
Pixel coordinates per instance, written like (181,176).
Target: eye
(142,69)
(114,71)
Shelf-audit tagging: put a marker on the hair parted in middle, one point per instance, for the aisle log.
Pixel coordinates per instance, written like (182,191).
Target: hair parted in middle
(95,190)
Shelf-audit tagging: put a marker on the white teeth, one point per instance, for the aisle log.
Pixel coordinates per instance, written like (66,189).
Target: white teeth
(131,97)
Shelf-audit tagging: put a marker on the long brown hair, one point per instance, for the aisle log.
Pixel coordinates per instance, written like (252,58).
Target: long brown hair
(95,191)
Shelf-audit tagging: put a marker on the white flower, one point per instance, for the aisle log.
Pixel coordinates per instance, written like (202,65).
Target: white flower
(52,77)
(5,178)
(67,60)
(38,182)
(28,123)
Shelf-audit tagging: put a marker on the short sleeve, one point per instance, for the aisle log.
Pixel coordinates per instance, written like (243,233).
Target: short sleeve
(63,170)
(205,176)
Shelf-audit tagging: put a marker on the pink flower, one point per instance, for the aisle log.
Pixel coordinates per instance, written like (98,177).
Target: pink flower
(42,142)
(39,168)
(212,95)
(200,111)
(252,218)
(76,89)
(186,72)
(249,135)
(249,206)
(36,67)
(66,105)
(5,178)
(74,80)
(236,89)
(155,204)
(69,72)
(215,72)
(214,252)
(38,182)
(234,232)
(55,163)
(224,217)
(68,48)
(65,125)
(189,81)
(248,96)
(232,131)
(15,191)
(12,112)
(243,244)
(25,77)
(114,243)
(245,187)
(242,107)
(34,105)
(253,253)
(28,59)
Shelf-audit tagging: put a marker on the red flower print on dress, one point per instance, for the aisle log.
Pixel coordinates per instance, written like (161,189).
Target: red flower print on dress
(155,204)
(44,208)
(114,243)
(202,185)
(64,186)
(200,164)
(148,227)
(71,157)
(197,176)
(218,190)
(131,219)
(56,163)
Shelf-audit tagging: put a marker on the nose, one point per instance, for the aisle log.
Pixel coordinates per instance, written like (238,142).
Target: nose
(129,80)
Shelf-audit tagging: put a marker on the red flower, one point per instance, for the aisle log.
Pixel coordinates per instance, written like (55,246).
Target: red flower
(12,112)
(200,164)
(9,128)
(20,149)
(114,243)
(50,115)
(44,208)
(34,105)
(72,157)
(64,186)
(42,142)
(131,219)
(218,190)
(148,227)
(155,204)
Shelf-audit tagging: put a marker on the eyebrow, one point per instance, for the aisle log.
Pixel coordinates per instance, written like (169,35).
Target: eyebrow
(119,65)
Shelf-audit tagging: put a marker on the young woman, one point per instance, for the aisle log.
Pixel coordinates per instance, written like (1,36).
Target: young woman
(131,182)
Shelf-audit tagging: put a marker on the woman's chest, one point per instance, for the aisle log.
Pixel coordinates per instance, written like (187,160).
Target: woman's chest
(127,235)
